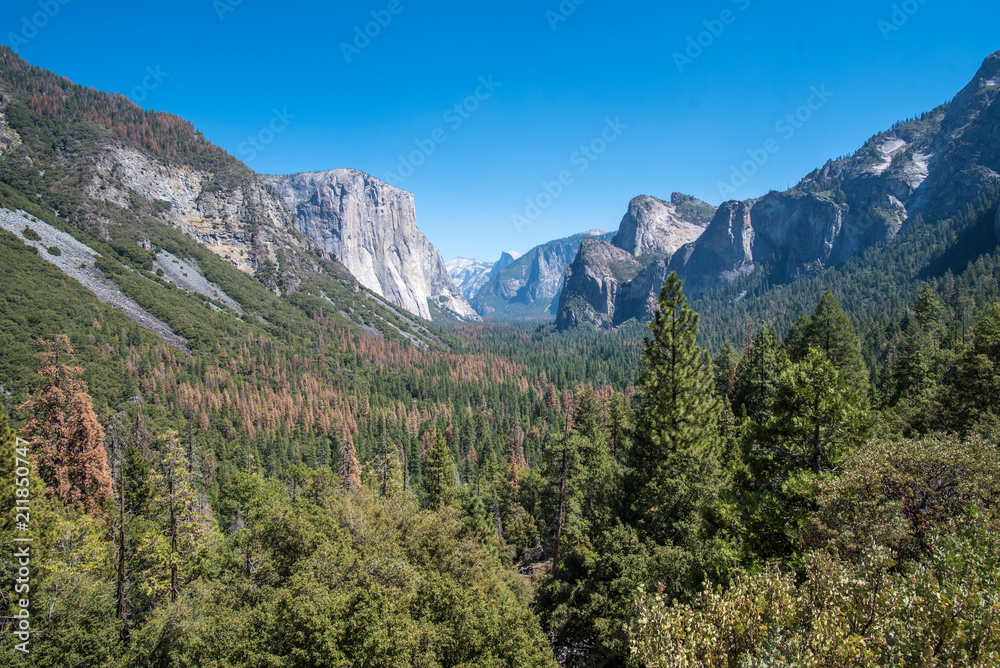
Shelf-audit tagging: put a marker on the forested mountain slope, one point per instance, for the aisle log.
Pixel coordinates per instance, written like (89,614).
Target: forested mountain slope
(107,163)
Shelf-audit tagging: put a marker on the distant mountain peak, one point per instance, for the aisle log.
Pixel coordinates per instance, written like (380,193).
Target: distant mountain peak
(652,225)
(990,69)
(930,167)
(469,275)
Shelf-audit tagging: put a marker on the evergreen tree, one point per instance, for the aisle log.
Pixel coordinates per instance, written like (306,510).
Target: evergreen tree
(350,470)
(66,437)
(928,309)
(726,363)
(818,417)
(830,330)
(675,478)
(389,470)
(757,376)
(439,472)
(968,396)
(185,536)
(796,344)
(914,363)
(618,425)
(588,418)
(515,454)
(986,335)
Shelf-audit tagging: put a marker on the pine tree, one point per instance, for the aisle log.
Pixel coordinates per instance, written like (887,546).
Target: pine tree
(830,330)
(726,364)
(515,455)
(757,376)
(919,361)
(131,521)
(618,425)
(565,461)
(185,534)
(986,335)
(439,472)
(675,478)
(914,355)
(66,437)
(588,419)
(389,470)
(818,416)
(927,308)
(551,397)
(350,470)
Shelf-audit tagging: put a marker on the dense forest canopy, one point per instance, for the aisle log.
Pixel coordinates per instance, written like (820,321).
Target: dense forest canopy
(771,504)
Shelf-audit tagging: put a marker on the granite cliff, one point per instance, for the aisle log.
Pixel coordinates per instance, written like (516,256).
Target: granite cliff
(122,180)
(609,280)
(469,276)
(371,228)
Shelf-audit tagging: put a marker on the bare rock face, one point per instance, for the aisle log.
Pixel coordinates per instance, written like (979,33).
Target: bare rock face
(468,275)
(528,286)
(507,258)
(240,219)
(247,219)
(593,282)
(610,282)
(654,226)
(724,250)
(371,228)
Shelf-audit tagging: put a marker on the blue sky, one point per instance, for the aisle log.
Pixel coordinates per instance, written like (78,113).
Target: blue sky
(583,107)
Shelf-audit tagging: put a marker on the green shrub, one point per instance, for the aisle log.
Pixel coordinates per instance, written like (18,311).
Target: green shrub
(133,254)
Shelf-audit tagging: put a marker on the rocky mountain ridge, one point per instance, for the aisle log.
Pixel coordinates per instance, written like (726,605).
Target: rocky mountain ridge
(931,166)
(158,167)
(124,181)
(528,286)
(469,275)
(611,276)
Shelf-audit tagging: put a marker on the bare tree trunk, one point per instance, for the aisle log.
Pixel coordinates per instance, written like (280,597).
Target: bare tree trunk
(562,490)
(496,517)
(120,593)
(173,536)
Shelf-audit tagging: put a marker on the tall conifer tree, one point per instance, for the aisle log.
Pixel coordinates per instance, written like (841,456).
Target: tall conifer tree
(66,437)
(675,477)
(830,330)
(439,472)
(757,376)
